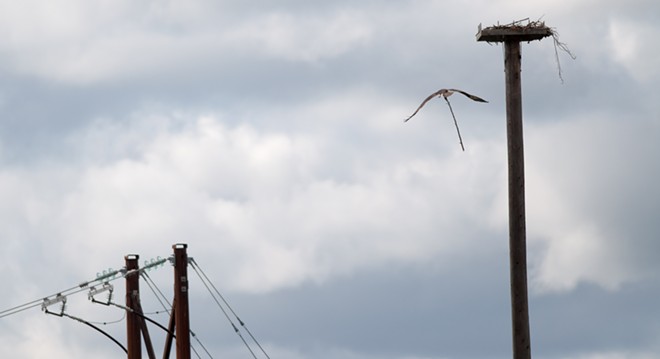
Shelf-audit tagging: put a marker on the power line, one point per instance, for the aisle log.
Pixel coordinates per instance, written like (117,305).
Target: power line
(226,315)
(158,325)
(20,308)
(112,275)
(200,344)
(59,298)
(204,278)
(127,309)
(111,322)
(196,266)
(97,329)
(105,278)
(38,302)
(156,291)
(158,294)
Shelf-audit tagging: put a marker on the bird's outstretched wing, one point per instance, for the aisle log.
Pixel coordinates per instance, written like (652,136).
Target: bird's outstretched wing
(437,93)
(472,97)
(446,93)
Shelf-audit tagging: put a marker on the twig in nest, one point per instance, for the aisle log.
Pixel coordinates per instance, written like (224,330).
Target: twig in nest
(563,47)
(516,23)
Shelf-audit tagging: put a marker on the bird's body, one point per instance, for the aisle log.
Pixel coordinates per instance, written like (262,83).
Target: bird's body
(444,93)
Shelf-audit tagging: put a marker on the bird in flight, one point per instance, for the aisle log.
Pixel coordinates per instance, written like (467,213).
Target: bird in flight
(444,93)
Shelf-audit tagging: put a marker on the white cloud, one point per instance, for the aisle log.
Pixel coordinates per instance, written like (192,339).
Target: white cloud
(629,42)
(581,253)
(302,38)
(611,355)
(77,42)
(584,231)
(264,206)
(335,185)
(43,336)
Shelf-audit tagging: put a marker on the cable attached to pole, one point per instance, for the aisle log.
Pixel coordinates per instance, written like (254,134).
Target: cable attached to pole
(97,329)
(156,291)
(159,294)
(59,298)
(204,278)
(106,277)
(238,332)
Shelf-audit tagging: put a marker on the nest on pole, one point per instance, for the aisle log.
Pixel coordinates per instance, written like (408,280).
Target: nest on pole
(515,31)
(519,31)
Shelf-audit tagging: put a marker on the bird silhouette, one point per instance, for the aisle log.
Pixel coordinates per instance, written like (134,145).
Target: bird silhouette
(444,93)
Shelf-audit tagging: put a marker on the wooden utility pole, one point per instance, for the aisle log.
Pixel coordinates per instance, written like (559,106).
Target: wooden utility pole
(136,326)
(170,332)
(511,35)
(181,316)
(132,320)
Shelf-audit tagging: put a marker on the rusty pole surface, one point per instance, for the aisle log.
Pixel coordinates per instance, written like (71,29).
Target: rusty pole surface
(170,332)
(182,318)
(132,320)
(517,226)
(145,331)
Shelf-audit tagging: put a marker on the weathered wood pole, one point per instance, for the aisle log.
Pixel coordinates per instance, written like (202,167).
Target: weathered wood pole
(511,36)
(517,226)
(133,338)
(170,332)
(181,315)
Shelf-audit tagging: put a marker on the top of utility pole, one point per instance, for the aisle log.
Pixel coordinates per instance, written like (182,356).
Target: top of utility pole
(515,31)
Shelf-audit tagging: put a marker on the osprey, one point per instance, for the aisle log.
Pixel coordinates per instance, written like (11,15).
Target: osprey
(446,93)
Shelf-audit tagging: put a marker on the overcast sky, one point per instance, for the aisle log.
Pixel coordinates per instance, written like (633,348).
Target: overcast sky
(269,137)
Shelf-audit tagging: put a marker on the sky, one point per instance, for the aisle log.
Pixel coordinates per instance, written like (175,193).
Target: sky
(269,137)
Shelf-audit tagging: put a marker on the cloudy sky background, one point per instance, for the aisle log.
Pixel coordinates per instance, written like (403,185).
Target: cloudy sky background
(268,135)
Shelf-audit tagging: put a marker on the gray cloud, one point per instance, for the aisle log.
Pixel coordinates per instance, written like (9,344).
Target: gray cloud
(270,138)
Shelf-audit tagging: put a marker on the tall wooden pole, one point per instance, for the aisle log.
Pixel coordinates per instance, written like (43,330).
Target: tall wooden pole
(511,35)
(181,301)
(517,227)
(132,320)
(145,332)
(170,332)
